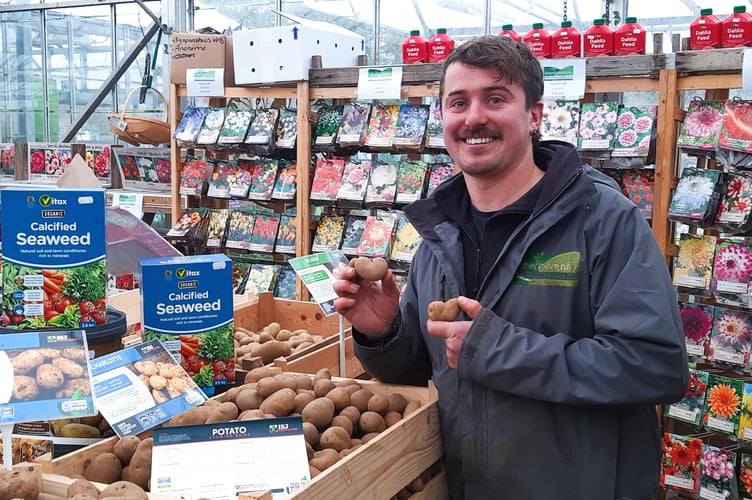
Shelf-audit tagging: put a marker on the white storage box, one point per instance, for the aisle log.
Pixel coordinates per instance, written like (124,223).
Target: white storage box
(283,53)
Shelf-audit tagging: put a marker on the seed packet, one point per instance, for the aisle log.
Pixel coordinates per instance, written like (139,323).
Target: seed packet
(212,126)
(235,126)
(439,173)
(198,234)
(287,128)
(435,126)
(701,126)
(326,180)
(190,123)
(7,160)
(411,179)
(693,265)
(286,234)
(731,337)
(697,321)
(261,278)
(262,179)
(286,285)
(195,176)
(697,196)
(634,127)
(723,403)
(561,120)
(382,184)
(239,229)
(218,219)
(48,160)
(329,233)
(382,125)
(263,126)
(98,160)
(745,421)
(352,127)
(736,204)
(327,126)
(376,240)
(190,218)
(411,126)
(597,126)
(286,183)
(745,476)
(219,183)
(689,408)
(732,270)
(680,462)
(352,189)
(406,241)
(354,227)
(264,233)
(240,182)
(639,186)
(717,476)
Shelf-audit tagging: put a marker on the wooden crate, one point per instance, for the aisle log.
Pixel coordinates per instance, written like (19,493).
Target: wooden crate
(377,470)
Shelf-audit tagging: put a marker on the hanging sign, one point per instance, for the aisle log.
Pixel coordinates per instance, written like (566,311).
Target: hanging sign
(563,78)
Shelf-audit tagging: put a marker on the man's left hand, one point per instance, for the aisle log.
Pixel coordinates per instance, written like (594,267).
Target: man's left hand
(454,332)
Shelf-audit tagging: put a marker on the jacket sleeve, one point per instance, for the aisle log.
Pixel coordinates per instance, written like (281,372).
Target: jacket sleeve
(637,354)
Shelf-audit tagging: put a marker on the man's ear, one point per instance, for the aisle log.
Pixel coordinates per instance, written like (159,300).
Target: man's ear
(536,115)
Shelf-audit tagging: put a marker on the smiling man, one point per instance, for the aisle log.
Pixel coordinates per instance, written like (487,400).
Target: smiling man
(569,331)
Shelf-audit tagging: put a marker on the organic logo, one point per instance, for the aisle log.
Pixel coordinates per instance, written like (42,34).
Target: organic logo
(559,270)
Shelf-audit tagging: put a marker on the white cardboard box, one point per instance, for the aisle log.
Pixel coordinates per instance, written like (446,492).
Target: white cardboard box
(283,53)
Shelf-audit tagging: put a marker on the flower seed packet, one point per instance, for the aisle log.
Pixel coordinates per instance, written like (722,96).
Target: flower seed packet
(286,235)
(376,240)
(219,184)
(701,125)
(327,178)
(736,203)
(736,130)
(406,241)
(212,126)
(411,178)
(328,125)
(352,189)
(240,270)
(329,233)
(717,476)
(261,130)
(723,403)
(7,160)
(382,184)
(190,124)
(240,182)
(634,128)
(235,126)
(697,321)
(382,125)
(261,278)
(285,186)
(639,186)
(680,462)
(694,264)
(435,126)
(731,337)
(354,227)
(98,160)
(689,408)
(691,202)
(352,127)
(48,161)
(262,179)
(597,126)
(745,422)
(286,286)
(745,476)
(732,270)
(287,128)
(438,174)
(195,176)
(218,219)
(411,126)
(190,219)
(264,233)
(561,121)
(239,229)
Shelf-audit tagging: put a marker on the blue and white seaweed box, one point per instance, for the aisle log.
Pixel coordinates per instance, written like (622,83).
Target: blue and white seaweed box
(186,295)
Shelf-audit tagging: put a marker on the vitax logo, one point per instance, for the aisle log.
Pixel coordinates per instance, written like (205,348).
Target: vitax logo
(186,273)
(47,201)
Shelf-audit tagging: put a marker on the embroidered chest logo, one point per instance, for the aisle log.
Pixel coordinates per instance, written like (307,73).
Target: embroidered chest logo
(559,270)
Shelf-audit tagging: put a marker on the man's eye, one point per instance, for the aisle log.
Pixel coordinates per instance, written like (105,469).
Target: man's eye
(458,104)
(496,100)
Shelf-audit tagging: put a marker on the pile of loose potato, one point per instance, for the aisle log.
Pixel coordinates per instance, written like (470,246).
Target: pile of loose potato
(271,342)
(339,416)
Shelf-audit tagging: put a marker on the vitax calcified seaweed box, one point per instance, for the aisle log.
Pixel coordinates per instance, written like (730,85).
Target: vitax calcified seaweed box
(187,305)
(53,258)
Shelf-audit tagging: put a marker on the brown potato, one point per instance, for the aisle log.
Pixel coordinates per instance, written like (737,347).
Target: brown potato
(82,486)
(104,468)
(25,388)
(319,412)
(444,311)
(324,459)
(124,489)
(223,413)
(125,447)
(69,367)
(78,430)
(371,421)
(269,351)
(339,397)
(335,438)
(248,399)
(379,403)
(371,269)
(49,377)
(26,362)
(279,404)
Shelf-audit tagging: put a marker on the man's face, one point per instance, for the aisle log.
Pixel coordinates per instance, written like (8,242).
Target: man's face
(486,124)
